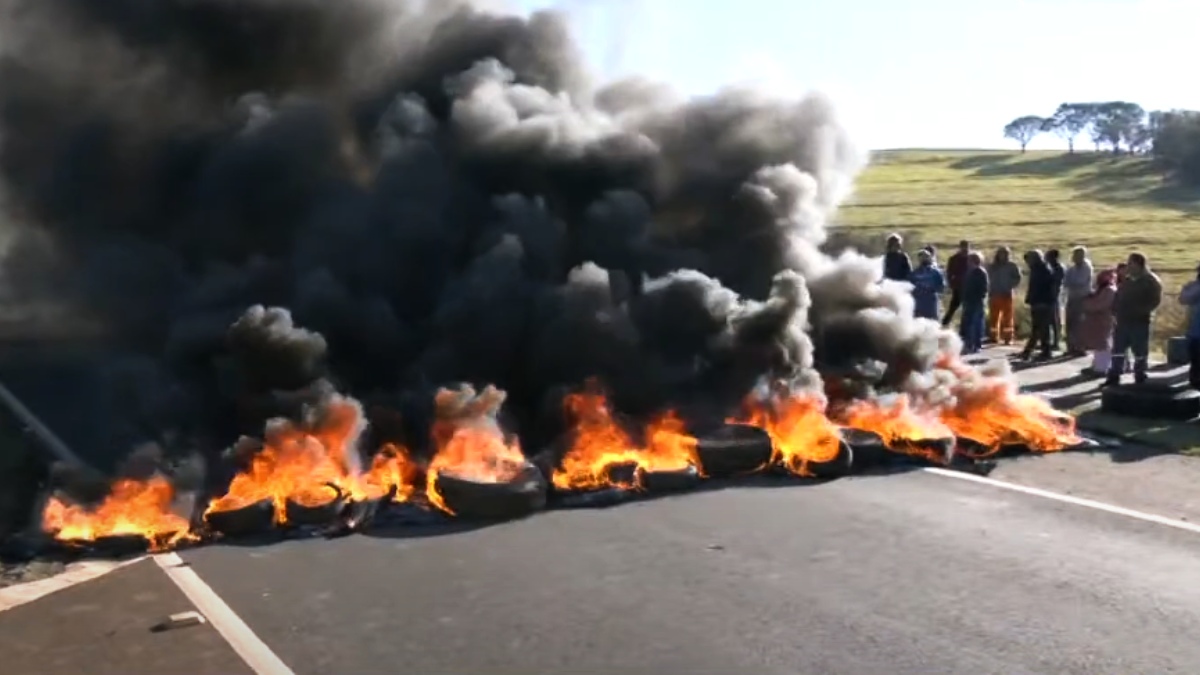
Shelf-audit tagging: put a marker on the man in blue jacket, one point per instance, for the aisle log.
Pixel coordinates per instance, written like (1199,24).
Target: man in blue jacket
(928,285)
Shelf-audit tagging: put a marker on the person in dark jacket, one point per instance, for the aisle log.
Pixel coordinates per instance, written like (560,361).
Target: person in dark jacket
(1040,297)
(1058,273)
(1138,297)
(974,297)
(956,274)
(897,266)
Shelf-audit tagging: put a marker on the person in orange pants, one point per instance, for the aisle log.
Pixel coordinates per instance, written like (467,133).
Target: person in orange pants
(1005,277)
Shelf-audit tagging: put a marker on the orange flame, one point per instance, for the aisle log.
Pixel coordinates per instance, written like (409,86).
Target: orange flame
(309,465)
(132,507)
(799,429)
(469,443)
(600,445)
(898,425)
(995,416)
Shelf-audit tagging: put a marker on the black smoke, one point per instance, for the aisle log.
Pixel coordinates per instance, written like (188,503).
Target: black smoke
(265,200)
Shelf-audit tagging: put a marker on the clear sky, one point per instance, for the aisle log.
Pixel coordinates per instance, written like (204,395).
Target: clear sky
(906,73)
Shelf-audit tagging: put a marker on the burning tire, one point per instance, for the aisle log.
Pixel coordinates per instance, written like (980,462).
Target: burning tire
(474,500)
(1152,399)
(734,450)
(868,447)
(666,482)
(257,518)
(839,467)
(319,514)
(112,546)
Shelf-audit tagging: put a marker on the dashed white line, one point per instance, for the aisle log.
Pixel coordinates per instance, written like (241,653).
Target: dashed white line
(1068,499)
(249,646)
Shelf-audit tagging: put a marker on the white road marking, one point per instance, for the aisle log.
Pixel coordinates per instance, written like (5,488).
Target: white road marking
(1068,499)
(253,650)
(76,573)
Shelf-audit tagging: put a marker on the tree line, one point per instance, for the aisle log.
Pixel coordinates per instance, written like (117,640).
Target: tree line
(1170,137)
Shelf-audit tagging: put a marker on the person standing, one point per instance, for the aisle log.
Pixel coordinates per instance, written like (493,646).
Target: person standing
(1096,322)
(1190,298)
(928,286)
(974,294)
(1039,295)
(956,274)
(897,266)
(1077,281)
(1057,273)
(1003,278)
(1137,299)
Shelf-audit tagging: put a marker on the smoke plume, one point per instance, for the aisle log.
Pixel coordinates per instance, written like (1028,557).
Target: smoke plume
(268,200)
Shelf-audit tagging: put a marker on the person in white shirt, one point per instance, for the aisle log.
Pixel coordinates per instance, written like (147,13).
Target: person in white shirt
(1077,284)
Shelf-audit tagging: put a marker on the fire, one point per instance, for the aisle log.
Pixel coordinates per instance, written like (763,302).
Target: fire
(601,445)
(469,443)
(132,508)
(995,416)
(991,412)
(800,431)
(898,424)
(312,464)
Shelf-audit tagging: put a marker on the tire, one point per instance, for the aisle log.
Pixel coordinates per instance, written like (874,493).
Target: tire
(471,500)
(1151,400)
(302,515)
(257,518)
(868,448)
(839,467)
(666,482)
(112,546)
(734,450)
(935,451)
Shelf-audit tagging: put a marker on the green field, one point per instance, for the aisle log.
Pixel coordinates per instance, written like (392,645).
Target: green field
(1112,205)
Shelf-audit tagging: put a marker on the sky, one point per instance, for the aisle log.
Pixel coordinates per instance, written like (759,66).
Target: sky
(905,73)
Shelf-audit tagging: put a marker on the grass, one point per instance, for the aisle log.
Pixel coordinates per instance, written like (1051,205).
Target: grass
(1112,205)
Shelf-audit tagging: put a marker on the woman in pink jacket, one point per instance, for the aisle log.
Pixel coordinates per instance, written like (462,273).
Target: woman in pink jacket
(1097,324)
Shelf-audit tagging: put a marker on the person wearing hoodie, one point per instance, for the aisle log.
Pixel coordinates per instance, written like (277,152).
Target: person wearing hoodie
(1137,299)
(1077,281)
(974,295)
(1040,297)
(1003,276)
(928,286)
(1190,297)
(896,263)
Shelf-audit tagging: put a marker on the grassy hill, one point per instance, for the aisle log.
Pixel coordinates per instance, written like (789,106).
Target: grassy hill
(1112,205)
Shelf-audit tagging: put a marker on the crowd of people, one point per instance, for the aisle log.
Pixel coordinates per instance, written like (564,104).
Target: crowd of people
(1074,308)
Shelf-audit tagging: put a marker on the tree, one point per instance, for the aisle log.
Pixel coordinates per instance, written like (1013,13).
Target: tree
(1117,122)
(1175,145)
(1069,120)
(1024,129)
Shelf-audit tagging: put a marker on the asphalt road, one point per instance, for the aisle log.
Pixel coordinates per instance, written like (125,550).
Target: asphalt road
(902,574)
(105,627)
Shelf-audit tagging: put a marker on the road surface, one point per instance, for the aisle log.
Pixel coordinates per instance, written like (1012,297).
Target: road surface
(911,573)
